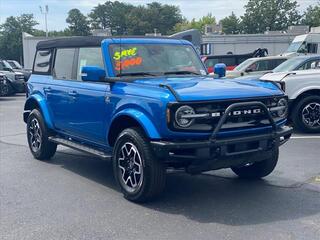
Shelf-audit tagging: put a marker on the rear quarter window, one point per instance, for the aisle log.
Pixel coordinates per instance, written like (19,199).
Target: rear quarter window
(42,63)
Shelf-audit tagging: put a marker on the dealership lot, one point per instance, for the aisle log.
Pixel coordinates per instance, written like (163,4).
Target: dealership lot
(74,196)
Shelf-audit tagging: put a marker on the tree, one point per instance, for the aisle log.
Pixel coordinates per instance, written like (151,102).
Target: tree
(78,23)
(261,15)
(161,17)
(312,16)
(11,35)
(196,24)
(112,15)
(231,24)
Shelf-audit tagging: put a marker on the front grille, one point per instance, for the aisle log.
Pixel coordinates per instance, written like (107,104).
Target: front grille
(245,118)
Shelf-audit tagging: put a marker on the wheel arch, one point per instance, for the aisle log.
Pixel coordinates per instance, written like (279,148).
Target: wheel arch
(37,102)
(131,118)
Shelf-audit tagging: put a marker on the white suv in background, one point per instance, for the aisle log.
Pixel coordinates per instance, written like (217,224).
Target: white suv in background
(303,90)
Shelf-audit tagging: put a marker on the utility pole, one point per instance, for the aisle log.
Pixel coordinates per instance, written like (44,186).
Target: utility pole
(45,13)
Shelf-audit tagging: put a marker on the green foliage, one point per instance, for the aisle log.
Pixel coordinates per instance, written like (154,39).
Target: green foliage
(231,24)
(196,24)
(11,35)
(271,14)
(312,16)
(78,23)
(123,18)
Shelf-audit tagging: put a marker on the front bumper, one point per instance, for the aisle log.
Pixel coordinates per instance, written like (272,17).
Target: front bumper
(216,153)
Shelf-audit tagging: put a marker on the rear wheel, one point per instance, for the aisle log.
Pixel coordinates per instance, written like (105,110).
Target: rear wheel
(306,115)
(37,133)
(140,175)
(259,169)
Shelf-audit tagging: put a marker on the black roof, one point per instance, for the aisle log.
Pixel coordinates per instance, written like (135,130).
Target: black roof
(88,41)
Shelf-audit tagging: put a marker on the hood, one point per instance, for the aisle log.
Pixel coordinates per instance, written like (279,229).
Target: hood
(205,88)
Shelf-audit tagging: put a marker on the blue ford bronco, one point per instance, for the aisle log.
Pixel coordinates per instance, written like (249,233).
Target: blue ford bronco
(148,105)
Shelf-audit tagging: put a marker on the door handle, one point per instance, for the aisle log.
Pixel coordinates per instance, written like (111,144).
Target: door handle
(73,93)
(47,89)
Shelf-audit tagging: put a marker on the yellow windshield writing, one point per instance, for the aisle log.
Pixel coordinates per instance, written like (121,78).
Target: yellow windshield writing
(125,53)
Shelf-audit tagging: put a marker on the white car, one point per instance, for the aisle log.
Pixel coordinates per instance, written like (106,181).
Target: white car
(303,90)
(255,66)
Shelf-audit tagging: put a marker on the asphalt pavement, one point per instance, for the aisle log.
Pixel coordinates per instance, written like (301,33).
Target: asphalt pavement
(74,196)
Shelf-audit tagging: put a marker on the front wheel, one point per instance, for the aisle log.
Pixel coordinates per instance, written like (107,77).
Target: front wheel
(140,175)
(306,115)
(259,169)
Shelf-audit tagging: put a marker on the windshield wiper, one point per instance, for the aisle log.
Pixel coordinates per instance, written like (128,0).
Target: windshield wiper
(181,72)
(136,74)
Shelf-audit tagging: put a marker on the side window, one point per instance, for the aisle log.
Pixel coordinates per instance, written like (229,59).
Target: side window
(63,65)
(89,57)
(314,64)
(275,63)
(42,61)
(312,47)
(262,65)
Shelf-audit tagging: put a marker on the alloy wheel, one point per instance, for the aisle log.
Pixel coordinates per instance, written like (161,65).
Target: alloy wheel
(130,167)
(311,115)
(35,135)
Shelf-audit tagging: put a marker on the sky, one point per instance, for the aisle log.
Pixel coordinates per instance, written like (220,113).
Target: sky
(58,9)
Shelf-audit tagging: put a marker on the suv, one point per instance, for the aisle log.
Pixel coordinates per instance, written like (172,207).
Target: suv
(303,90)
(253,66)
(149,105)
(15,80)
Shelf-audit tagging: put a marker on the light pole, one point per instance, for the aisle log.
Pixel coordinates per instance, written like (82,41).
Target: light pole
(45,12)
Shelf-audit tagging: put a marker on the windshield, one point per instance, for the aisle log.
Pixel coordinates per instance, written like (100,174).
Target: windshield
(243,66)
(155,59)
(4,65)
(15,64)
(297,47)
(288,65)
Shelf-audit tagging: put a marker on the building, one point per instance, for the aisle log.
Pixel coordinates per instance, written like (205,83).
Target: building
(275,41)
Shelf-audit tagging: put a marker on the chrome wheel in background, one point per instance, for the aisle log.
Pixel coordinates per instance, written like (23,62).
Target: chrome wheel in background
(311,114)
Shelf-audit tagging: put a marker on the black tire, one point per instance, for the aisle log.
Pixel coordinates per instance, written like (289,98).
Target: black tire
(300,115)
(7,90)
(259,169)
(153,171)
(45,149)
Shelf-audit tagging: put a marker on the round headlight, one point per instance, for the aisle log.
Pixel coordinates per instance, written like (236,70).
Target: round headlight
(182,116)
(283,103)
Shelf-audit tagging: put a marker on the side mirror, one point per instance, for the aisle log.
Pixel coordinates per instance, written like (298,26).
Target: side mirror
(92,73)
(220,69)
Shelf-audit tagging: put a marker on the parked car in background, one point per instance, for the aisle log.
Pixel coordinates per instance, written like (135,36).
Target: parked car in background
(303,90)
(253,66)
(148,105)
(304,62)
(4,88)
(231,60)
(15,79)
(18,68)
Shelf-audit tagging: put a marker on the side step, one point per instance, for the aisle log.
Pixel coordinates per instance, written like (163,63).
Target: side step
(80,147)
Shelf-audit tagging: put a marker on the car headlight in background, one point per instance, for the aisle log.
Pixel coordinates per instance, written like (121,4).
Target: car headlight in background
(184,116)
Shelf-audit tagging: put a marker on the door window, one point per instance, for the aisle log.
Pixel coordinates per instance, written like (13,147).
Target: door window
(63,66)
(314,64)
(89,57)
